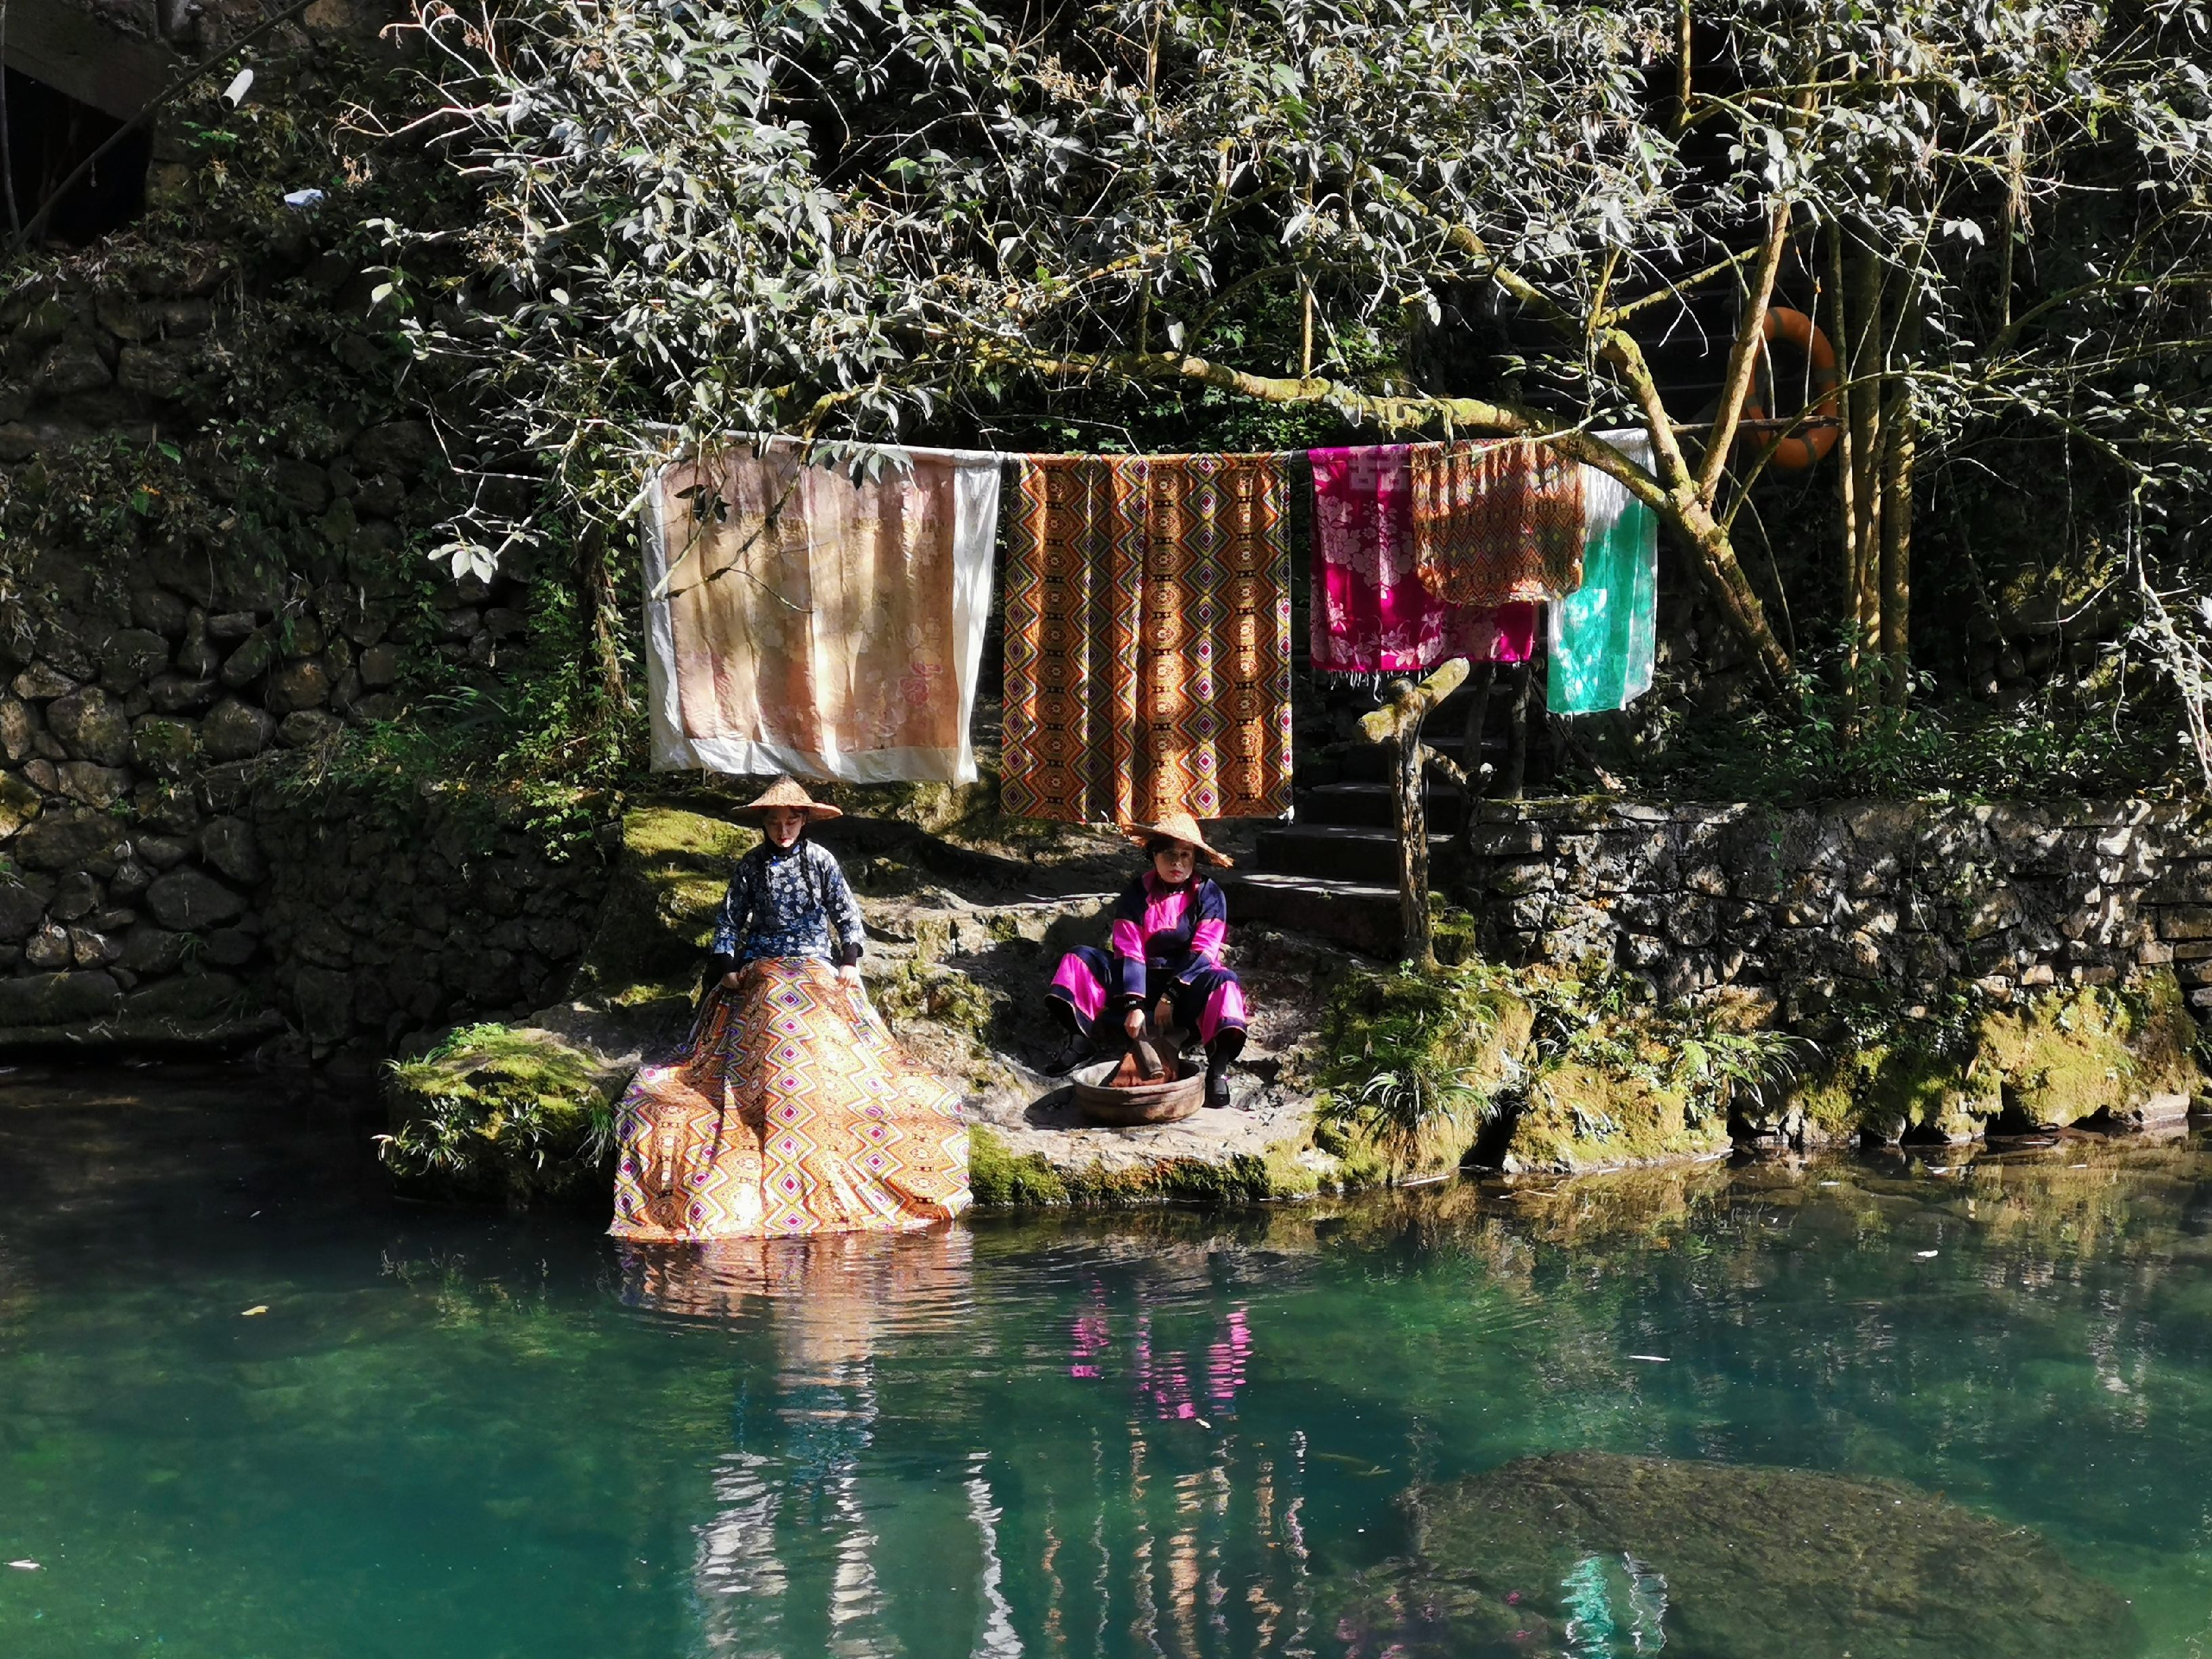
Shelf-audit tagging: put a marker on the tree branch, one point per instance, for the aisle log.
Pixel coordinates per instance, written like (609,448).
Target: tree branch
(1743,355)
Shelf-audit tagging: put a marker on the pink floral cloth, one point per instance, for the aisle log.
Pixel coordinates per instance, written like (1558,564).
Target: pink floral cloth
(1369,612)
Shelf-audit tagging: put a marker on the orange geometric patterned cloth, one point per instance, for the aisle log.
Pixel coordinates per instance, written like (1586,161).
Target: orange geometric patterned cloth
(1497,523)
(790,1112)
(1147,639)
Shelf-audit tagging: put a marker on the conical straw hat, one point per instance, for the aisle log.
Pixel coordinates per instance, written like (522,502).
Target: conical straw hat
(785,792)
(1180,826)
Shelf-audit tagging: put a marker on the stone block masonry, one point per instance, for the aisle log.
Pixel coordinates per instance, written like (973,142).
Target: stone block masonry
(192,609)
(1922,897)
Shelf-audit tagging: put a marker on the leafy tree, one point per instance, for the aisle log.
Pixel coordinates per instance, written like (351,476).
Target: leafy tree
(876,219)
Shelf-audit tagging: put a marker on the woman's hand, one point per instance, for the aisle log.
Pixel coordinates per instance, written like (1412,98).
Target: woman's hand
(1134,1023)
(850,973)
(730,980)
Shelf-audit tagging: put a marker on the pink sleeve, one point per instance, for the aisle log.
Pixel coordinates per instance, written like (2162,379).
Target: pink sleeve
(1128,940)
(1208,937)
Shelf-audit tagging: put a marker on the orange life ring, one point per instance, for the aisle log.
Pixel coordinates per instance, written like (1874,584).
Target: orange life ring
(1805,448)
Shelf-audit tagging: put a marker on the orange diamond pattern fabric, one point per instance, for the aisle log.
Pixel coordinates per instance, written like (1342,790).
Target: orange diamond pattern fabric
(790,1112)
(1497,523)
(1148,639)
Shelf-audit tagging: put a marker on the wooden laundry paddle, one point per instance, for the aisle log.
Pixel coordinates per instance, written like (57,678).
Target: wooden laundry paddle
(1146,1046)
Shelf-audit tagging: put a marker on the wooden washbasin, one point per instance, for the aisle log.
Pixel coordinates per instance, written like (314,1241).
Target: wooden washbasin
(1102,1096)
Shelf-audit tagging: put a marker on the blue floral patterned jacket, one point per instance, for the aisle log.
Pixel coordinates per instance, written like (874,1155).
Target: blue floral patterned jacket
(784,902)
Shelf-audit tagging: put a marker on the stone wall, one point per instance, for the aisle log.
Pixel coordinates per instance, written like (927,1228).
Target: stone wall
(194,604)
(1921,898)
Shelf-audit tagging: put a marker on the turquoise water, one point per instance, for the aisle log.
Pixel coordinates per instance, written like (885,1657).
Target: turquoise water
(1174,1434)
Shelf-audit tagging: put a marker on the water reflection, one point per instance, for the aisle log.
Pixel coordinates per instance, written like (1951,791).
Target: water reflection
(1121,1437)
(1142,1523)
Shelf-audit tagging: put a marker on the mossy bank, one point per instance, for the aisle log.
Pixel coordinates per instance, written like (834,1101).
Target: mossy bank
(1360,1075)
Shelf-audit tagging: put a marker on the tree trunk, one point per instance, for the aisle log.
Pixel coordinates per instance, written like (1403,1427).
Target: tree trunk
(1839,318)
(599,587)
(1412,845)
(1478,721)
(1899,450)
(1691,515)
(1516,736)
(1865,363)
(1397,724)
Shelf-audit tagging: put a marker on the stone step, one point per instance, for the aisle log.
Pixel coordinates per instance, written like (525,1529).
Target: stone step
(1371,763)
(1355,914)
(1338,852)
(1370,804)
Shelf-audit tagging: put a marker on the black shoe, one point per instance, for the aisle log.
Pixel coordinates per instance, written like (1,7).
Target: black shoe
(1217,1087)
(1069,1055)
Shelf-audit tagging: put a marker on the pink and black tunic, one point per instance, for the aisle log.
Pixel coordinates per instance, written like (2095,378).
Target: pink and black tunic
(1167,942)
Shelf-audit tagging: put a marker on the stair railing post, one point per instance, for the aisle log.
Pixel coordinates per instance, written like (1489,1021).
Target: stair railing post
(1474,770)
(1398,723)
(1516,739)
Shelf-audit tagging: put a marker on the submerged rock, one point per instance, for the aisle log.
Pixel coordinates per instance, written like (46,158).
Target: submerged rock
(1588,1553)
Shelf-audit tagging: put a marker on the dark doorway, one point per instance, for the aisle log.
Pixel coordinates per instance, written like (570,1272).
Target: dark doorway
(49,133)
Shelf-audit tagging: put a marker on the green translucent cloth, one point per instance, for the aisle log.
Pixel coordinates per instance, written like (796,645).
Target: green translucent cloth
(1604,635)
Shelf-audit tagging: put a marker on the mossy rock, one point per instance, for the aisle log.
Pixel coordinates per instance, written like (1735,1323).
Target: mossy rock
(1415,1064)
(1000,1179)
(518,1115)
(2071,1055)
(1594,1553)
(1587,1114)
(916,991)
(659,914)
(1890,1090)
(523,1114)
(2058,1059)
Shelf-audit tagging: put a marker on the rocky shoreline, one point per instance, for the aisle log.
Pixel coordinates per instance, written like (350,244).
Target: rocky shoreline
(1544,1072)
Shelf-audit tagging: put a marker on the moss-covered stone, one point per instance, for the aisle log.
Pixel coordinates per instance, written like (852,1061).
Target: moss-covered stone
(1415,1064)
(1001,1179)
(520,1114)
(2068,1056)
(20,802)
(513,1113)
(2054,1058)
(916,990)
(1599,1113)
(659,910)
(1888,1090)
(1594,1553)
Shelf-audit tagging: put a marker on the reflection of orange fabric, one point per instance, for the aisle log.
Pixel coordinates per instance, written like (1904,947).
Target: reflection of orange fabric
(791,1113)
(1497,523)
(833,1293)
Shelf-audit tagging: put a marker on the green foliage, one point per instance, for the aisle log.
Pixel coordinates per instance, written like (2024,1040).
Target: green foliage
(1415,1058)
(501,1111)
(1150,225)
(2082,741)
(1416,1063)
(1699,1052)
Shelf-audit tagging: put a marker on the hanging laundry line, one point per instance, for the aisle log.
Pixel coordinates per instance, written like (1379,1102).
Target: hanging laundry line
(828,621)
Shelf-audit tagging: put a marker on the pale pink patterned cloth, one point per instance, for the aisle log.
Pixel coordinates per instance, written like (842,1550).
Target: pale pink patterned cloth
(817,621)
(1369,612)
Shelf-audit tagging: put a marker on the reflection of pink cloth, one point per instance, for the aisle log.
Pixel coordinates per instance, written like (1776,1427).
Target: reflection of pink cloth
(1369,612)
(1163,1378)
